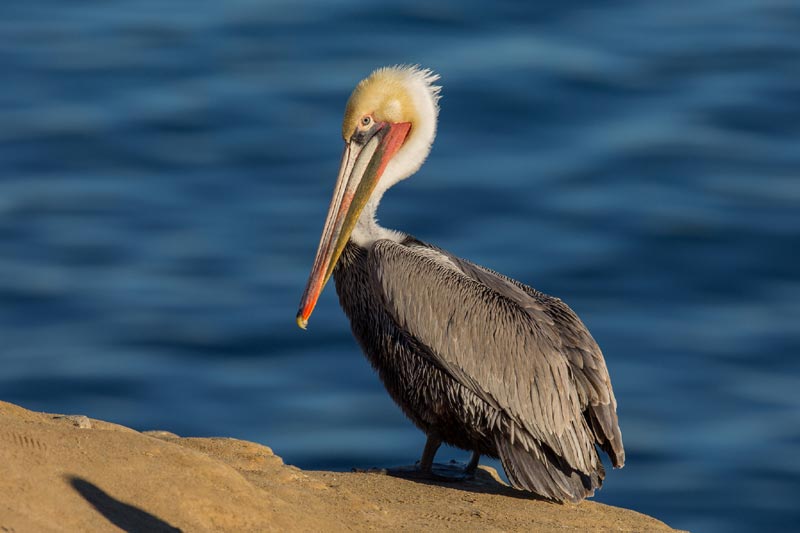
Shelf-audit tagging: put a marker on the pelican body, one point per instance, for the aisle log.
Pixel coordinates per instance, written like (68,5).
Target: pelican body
(475,359)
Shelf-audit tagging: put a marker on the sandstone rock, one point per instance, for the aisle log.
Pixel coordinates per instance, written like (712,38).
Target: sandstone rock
(75,474)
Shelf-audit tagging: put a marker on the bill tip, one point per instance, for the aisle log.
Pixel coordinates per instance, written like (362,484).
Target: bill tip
(301,322)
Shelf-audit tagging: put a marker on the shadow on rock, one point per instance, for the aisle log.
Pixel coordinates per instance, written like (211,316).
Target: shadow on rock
(126,517)
(484,481)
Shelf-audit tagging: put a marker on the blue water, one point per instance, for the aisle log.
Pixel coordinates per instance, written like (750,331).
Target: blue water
(165,168)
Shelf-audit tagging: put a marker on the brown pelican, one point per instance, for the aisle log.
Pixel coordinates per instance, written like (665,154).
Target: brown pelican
(475,359)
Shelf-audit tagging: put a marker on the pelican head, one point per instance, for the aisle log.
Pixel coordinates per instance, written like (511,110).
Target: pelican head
(388,128)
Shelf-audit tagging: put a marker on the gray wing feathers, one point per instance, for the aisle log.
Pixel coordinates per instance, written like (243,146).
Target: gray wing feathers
(591,374)
(496,340)
(577,345)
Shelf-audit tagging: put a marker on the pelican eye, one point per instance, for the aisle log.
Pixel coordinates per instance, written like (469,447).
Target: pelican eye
(366,120)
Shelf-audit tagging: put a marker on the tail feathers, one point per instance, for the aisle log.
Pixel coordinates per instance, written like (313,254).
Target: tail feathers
(548,474)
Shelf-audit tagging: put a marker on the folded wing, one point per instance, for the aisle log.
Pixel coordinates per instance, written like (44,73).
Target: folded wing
(523,352)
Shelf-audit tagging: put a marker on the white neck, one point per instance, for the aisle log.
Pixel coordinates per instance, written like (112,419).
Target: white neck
(367,229)
(407,160)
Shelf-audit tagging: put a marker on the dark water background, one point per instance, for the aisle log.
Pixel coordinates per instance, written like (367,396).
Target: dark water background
(165,168)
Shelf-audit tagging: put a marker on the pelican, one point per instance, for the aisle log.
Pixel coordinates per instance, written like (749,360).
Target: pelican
(475,359)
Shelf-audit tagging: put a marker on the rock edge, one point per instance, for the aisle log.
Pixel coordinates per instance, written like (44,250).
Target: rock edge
(73,473)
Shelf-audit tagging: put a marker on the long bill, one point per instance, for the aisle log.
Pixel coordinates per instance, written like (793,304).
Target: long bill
(361,168)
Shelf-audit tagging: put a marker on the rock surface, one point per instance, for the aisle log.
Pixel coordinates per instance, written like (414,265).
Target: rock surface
(72,473)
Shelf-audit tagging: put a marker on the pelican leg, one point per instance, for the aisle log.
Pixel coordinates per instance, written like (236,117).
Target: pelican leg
(431,447)
(472,466)
(426,469)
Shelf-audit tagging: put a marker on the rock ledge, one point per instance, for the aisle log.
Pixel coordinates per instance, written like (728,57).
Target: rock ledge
(73,473)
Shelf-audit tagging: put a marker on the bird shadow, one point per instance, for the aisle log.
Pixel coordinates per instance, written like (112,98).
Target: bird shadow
(125,516)
(451,475)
